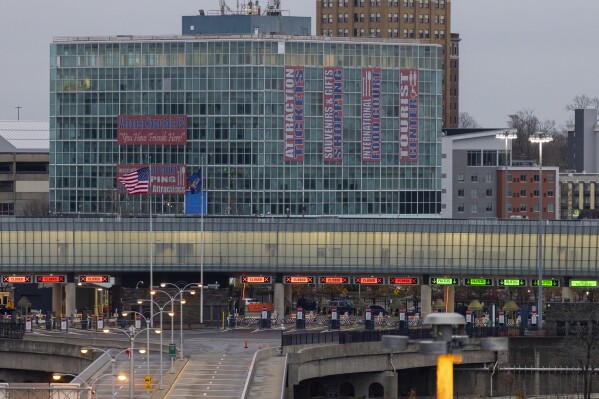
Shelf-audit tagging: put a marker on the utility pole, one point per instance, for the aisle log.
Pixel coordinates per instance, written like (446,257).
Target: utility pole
(18,112)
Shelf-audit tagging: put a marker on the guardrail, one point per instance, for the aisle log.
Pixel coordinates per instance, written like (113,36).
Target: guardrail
(12,330)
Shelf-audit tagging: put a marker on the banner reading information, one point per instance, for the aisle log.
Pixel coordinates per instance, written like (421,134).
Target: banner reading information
(408,115)
(152,130)
(294,113)
(371,114)
(332,149)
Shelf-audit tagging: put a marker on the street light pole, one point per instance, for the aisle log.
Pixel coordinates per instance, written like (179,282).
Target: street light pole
(540,138)
(180,292)
(506,135)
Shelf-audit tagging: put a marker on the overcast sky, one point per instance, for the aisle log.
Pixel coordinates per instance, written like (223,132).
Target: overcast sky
(515,54)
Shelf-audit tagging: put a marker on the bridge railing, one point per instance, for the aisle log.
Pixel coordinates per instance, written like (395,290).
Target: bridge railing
(12,330)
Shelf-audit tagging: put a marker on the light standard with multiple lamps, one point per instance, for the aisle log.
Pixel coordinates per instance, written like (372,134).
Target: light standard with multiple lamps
(540,138)
(131,334)
(86,349)
(172,299)
(180,292)
(506,135)
(158,331)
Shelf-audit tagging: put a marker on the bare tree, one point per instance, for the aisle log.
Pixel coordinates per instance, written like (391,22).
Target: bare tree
(526,123)
(36,208)
(467,121)
(583,101)
(585,353)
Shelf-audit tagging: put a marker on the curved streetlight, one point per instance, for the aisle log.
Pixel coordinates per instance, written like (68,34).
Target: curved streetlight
(147,349)
(540,138)
(132,334)
(172,299)
(158,331)
(180,292)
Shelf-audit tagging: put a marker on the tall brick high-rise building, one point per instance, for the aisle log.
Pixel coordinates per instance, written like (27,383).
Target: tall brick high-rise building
(426,20)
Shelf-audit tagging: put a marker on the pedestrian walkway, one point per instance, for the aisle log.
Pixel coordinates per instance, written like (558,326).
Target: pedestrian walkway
(268,379)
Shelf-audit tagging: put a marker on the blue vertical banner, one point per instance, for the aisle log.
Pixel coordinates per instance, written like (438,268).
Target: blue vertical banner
(196,204)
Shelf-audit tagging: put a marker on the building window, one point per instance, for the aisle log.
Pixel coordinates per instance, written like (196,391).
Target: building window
(474,208)
(460,177)
(489,178)
(509,177)
(389,17)
(509,207)
(405,33)
(340,18)
(461,208)
(535,207)
(536,178)
(473,193)
(535,193)
(474,178)
(523,192)
(405,17)
(523,178)
(362,19)
(550,193)
(550,207)
(442,19)
(489,192)
(461,193)
(523,207)
(474,158)
(489,207)
(489,158)
(551,177)
(509,192)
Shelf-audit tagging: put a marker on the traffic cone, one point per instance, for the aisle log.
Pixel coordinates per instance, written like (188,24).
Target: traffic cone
(245,343)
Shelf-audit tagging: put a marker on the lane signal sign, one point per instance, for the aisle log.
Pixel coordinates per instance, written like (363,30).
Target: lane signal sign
(511,282)
(256,279)
(369,280)
(443,281)
(481,282)
(404,280)
(94,279)
(299,279)
(16,279)
(334,280)
(546,283)
(61,278)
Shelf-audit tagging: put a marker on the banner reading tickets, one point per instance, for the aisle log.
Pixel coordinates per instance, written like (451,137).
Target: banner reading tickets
(152,130)
(408,115)
(371,114)
(164,179)
(332,149)
(294,113)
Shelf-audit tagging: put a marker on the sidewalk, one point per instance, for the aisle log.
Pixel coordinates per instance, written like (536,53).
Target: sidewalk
(268,379)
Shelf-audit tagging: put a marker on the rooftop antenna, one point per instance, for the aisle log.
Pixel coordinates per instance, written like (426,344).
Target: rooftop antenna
(274,7)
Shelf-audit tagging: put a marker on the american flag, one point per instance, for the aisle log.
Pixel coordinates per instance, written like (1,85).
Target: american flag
(136,182)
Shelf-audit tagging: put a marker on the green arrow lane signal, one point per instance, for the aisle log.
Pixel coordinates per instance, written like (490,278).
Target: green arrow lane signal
(546,283)
(511,282)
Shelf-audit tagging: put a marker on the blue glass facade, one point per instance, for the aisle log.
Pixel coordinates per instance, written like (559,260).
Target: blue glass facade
(232,91)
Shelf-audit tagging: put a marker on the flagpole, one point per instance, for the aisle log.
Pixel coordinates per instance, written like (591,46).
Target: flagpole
(151,250)
(202,210)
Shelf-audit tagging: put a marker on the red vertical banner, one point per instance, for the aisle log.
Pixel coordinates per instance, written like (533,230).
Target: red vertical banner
(371,114)
(408,115)
(332,119)
(294,113)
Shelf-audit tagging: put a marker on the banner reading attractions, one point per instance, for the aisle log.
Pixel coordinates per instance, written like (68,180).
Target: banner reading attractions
(371,114)
(408,115)
(164,179)
(332,149)
(294,113)
(152,130)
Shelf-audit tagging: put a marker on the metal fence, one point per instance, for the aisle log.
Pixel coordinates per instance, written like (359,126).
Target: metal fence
(12,330)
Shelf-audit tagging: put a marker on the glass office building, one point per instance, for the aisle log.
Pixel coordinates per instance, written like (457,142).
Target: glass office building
(280,125)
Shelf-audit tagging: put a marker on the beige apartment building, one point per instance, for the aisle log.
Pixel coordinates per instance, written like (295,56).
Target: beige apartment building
(24,168)
(428,21)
